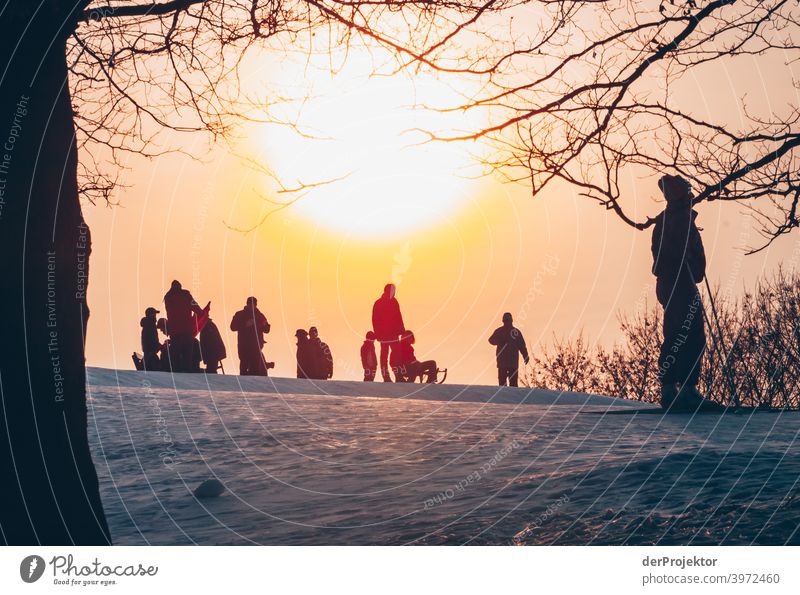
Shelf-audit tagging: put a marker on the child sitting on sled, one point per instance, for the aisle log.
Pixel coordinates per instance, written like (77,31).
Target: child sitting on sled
(406,367)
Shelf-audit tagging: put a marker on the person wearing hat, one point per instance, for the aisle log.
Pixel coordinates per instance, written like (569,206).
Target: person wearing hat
(679,264)
(305,356)
(251,326)
(509,343)
(369,359)
(150,343)
(321,356)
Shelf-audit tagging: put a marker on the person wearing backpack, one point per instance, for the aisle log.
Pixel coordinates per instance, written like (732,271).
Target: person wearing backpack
(509,344)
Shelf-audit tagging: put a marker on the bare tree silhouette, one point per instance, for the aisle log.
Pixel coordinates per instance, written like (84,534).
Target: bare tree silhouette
(84,83)
(588,93)
(578,92)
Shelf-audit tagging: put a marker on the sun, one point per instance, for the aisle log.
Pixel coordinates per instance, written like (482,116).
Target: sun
(359,143)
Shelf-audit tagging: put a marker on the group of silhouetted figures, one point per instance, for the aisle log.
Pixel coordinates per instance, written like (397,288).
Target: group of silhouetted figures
(396,345)
(678,263)
(193,338)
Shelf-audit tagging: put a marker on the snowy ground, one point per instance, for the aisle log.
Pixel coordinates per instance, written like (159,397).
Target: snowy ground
(355,463)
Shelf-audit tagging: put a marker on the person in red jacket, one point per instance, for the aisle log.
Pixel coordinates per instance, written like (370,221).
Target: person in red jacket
(407,367)
(387,323)
(182,310)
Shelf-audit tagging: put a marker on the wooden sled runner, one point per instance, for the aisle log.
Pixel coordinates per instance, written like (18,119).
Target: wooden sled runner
(441,376)
(442,372)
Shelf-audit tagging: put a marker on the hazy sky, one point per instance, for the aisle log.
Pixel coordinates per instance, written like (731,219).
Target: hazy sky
(461,250)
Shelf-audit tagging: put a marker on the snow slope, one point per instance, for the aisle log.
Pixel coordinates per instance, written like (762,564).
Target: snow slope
(335,462)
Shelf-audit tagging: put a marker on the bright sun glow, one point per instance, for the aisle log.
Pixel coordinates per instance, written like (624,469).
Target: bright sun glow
(387,183)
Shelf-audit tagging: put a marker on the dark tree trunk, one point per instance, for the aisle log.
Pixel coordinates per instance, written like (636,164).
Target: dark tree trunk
(49,484)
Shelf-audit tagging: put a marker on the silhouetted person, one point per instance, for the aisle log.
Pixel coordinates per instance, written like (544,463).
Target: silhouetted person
(408,368)
(369,360)
(387,322)
(212,347)
(322,358)
(679,264)
(166,366)
(151,345)
(250,325)
(509,344)
(305,355)
(182,326)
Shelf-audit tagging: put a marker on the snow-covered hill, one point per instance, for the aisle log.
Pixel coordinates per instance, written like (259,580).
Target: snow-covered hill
(335,462)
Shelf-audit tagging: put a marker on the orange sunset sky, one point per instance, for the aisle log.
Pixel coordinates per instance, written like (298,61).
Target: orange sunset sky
(461,249)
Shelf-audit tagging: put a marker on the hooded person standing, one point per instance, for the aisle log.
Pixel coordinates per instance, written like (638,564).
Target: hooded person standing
(182,310)
(509,343)
(150,342)
(387,323)
(679,264)
(251,326)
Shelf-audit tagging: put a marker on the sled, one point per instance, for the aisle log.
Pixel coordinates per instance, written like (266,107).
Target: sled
(400,376)
(438,380)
